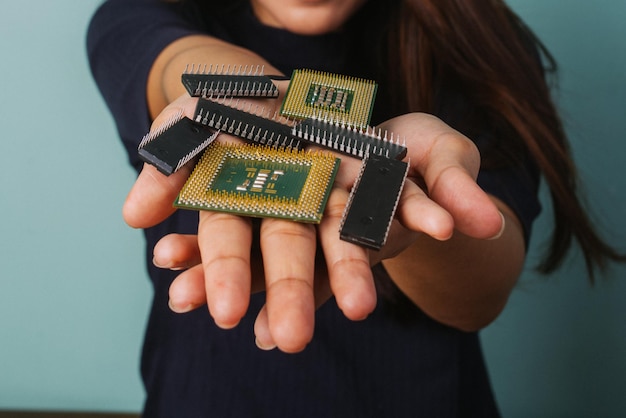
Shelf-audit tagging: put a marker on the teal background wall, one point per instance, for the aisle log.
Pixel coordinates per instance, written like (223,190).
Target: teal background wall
(559,348)
(73,290)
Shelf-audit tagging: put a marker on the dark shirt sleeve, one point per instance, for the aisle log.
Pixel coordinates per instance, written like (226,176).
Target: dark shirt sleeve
(123,40)
(518,188)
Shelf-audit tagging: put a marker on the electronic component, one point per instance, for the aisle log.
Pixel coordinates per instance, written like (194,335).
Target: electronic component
(271,176)
(261,181)
(240,82)
(324,95)
(373,201)
(357,142)
(245,125)
(175,143)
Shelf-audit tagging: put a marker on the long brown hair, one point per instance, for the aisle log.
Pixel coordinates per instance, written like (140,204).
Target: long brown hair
(484,48)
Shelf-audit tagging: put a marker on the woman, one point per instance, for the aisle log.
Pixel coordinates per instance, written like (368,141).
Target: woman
(397,338)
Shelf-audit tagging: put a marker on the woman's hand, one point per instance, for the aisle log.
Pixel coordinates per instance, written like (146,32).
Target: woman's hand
(224,265)
(285,258)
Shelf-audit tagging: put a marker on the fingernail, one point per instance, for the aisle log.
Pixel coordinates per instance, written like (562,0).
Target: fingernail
(264,347)
(501,231)
(179,309)
(157,264)
(167,266)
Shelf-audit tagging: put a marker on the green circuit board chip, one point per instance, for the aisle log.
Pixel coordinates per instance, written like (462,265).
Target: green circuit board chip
(315,94)
(260,181)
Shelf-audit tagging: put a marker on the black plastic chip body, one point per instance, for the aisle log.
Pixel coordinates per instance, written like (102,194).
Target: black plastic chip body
(229,85)
(373,201)
(245,125)
(353,141)
(171,148)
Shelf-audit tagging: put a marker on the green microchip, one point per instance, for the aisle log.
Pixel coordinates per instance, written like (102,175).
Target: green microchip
(315,94)
(260,181)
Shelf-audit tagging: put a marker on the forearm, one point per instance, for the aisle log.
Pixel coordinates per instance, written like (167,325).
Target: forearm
(462,282)
(164,84)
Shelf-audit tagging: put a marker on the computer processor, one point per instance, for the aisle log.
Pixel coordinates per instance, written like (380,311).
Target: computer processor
(261,181)
(316,94)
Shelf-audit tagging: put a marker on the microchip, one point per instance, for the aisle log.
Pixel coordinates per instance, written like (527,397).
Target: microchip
(356,142)
(175,143)
(242,82)
(373,201)
(245,125)
(348,100)
(261,181)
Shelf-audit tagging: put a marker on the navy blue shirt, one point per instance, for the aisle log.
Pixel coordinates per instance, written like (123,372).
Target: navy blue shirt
(396,363)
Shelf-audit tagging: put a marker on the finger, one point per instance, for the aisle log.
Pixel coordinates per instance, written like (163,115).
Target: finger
(419,213)
(415,209)
(288,250)
(450,177)
(177,252)
(184,104)
(150,199)
(187,290)
(449,163)
(264,339)
(399,239)
(348,265)
(226,264)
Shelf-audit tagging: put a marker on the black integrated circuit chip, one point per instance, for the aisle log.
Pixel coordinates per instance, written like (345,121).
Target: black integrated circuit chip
(176,143)
(373,201)
(356,142)
(245,125)
(243,82)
